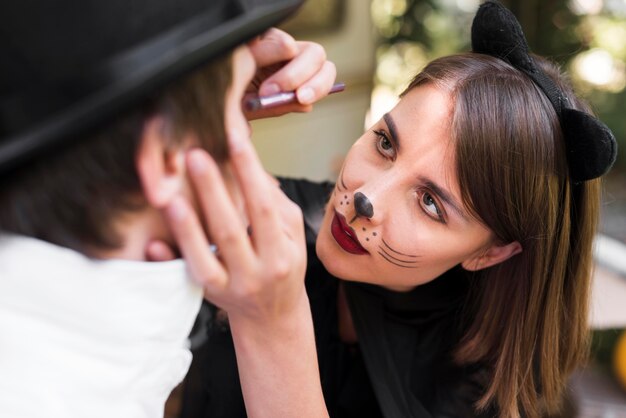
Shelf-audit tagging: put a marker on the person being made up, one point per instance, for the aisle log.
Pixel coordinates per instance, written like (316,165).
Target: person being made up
(449,266)
(104,108)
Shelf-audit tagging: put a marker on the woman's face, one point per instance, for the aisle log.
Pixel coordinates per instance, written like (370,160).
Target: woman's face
(409,224)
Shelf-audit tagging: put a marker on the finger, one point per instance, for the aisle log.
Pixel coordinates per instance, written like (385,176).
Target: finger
(159,251)
(308,93)
(309,60)
(290,215)
(277,111)
(193,244)
(257,191)
(273,180)
(318,86)
(273,47)
(225,225)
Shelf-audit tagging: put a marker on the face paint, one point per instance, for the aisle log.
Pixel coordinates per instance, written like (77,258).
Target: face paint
(396,257)
(362,205)
(399,189)
(341,185)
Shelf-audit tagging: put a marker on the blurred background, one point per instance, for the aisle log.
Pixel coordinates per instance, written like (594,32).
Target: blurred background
(378,45)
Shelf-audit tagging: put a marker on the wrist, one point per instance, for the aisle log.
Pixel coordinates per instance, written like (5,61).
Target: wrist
(269,329)
(277,363)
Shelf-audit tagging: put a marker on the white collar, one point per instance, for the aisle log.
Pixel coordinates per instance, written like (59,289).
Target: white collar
(110,331)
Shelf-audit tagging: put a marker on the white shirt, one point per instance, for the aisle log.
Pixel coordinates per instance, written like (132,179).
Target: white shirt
(86,338)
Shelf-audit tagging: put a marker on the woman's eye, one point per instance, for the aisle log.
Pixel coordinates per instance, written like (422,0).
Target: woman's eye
(431,207)
(384,145)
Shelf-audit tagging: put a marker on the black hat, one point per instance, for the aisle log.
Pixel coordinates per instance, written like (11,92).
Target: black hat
(66,65)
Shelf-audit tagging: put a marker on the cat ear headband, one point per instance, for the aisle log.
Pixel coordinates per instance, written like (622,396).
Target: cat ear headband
(591,146)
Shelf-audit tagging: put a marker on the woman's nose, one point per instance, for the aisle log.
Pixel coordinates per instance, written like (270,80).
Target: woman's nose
(362,206)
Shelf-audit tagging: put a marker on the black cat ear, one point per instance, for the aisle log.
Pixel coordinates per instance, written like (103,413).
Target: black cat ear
(496,32)
(591,146)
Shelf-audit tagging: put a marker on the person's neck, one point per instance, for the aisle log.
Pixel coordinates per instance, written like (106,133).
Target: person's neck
(137,229)
(140,228)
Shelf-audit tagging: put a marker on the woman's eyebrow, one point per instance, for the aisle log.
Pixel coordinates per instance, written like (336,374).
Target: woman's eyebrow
(444,195)
(447,197)
(391,125)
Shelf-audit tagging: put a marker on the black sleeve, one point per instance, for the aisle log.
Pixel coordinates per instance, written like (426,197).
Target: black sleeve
(457,397)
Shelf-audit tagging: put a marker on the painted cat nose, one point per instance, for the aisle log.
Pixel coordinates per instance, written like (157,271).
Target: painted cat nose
(363,206)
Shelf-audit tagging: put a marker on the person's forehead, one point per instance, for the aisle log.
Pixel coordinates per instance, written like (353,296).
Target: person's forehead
(421,122)
(428,101)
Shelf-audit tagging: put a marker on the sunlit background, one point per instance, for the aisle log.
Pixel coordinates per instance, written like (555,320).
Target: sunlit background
(588,37)
(379,45)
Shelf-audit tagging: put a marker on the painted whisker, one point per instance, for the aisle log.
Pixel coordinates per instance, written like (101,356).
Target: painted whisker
(397,252)
(394,262)
(343,183)
(395,258)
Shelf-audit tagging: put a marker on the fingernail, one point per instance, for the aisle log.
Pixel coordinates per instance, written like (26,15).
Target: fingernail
(196,162)
(177,210)
(306,95)
(269,89)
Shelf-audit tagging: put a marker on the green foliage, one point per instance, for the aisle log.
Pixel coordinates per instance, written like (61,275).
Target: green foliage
(416,31)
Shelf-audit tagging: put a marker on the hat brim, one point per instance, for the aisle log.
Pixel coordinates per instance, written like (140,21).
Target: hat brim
(138,72)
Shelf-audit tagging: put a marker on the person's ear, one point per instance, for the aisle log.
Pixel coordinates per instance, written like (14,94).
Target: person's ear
(493,255)
(161,167)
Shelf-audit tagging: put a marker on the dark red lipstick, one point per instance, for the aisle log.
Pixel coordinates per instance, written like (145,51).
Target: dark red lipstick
(345,235)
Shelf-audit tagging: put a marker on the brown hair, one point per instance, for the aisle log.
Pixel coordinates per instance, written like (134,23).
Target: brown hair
(71,197)
(529,313)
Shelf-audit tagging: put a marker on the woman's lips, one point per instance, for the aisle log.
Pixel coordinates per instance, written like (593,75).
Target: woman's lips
(345,236)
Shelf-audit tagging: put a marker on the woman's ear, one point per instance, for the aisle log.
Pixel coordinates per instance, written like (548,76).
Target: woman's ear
(493,255)
(161,167)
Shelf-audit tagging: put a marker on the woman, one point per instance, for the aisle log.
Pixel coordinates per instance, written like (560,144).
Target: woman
(461,229)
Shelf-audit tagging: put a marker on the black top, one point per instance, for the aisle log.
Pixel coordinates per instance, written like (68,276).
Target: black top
(401,366)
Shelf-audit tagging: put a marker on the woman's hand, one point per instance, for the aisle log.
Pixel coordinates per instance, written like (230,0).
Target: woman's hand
(258,277)
(285,64)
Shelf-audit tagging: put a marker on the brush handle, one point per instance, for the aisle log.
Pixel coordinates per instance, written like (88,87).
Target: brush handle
(253,101)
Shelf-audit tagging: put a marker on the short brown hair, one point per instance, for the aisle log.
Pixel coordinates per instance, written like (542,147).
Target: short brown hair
(529,313)
(71,196)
